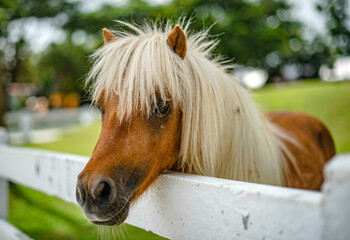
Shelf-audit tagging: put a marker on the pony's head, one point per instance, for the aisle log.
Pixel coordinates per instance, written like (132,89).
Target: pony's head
(138,92)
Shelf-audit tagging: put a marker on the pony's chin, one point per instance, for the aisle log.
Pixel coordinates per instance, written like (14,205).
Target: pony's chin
(117,219)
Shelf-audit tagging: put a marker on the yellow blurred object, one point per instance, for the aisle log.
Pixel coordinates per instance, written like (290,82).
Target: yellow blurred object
(71,100)
(56,100)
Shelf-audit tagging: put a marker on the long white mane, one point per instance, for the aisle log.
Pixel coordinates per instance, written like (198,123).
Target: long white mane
(223,133)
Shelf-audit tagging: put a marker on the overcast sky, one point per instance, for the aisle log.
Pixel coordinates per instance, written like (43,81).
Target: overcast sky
(41,33)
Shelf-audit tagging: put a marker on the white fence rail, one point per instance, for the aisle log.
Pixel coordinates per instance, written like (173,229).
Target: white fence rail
(29,126)
(183,206)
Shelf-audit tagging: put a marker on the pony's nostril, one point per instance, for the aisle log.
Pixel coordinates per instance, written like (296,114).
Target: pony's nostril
(106,190)
(102,191)
(80,195)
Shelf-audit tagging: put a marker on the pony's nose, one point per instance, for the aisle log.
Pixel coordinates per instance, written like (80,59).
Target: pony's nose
(103,190)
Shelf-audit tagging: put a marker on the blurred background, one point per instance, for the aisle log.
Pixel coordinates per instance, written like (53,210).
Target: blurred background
(291,54)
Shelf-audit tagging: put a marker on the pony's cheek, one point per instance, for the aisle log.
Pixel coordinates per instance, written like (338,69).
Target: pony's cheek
(168,146)
(141,188)
(156,166)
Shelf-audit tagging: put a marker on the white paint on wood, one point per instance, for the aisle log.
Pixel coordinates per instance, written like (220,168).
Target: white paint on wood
(49,172)
(336,199)
(182,206)
(9,232)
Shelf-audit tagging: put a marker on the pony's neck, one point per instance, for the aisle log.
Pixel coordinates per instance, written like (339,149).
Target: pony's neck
(255,150)
(234,141)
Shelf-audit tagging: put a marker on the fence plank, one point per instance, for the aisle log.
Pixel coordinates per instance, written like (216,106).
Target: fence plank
(183,206)
(9,232)
(336,198)
(49,172)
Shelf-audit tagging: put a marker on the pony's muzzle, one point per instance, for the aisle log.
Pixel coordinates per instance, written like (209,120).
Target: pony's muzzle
(99,198)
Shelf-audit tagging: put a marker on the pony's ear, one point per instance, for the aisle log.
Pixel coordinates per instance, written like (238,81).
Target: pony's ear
(108,36)
(177,41)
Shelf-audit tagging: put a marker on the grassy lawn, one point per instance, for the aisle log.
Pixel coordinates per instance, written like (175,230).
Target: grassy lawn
(45,217)
(329,102)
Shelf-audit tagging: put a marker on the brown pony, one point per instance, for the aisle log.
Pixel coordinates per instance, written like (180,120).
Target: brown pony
(166,103)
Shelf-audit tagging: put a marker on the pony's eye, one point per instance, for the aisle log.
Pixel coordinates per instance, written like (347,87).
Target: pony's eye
(99,108)
(162,109)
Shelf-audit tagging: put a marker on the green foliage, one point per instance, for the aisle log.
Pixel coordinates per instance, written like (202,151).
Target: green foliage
(14,63)
(20,10)
(17,9)
(62,68)
(254,33)
(248,31)
(337,12)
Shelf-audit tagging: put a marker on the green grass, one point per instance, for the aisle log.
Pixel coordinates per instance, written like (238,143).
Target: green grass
(45,217)
(81,142)
(329,102)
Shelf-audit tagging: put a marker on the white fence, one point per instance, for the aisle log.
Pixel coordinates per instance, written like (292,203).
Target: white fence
(29,126)
(183,206)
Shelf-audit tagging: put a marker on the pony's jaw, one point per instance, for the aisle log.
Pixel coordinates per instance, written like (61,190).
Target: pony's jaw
(130,155)
(119,218)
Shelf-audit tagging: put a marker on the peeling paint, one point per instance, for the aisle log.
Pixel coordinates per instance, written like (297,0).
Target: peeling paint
(245,221)
(37,169)
(239,193)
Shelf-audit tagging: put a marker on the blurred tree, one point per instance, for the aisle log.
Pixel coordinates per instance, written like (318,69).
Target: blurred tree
(13,47)
(254,33)
(338,16)
(61,67)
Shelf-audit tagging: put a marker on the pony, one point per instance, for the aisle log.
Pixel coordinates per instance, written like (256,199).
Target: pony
(167,103)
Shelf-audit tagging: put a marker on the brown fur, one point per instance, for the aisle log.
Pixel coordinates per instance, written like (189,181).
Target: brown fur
(315,147)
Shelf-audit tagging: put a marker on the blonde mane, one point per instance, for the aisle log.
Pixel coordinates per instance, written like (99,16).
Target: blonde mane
(223,133)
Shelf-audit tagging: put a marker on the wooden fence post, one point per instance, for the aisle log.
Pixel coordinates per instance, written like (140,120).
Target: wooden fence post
(25,125)
(4,185)
(336,199)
